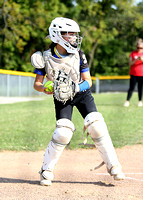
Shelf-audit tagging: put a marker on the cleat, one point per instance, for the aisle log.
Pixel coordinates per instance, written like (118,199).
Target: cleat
(119,176)
(46,177)
(117,173)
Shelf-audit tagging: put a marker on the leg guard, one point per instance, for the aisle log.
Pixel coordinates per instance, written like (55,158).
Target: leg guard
(94,122)
(61,137)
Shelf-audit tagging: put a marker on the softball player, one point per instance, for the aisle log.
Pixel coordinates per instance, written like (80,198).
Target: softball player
(65,57)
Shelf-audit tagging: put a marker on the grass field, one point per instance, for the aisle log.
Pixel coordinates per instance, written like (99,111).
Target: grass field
(29,125)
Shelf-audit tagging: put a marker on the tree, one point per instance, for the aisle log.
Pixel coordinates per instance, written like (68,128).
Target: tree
(111,30)
(109,27)
(24,28)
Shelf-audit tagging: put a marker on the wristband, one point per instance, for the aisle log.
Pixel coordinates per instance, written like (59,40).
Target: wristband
(83,86)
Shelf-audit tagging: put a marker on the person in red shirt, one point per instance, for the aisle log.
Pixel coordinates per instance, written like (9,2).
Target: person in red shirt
(136,73)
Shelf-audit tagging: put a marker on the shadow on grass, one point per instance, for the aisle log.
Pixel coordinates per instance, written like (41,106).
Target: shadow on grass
(13,180)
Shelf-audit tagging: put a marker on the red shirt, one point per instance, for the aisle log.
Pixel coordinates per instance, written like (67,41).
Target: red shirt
(137,68)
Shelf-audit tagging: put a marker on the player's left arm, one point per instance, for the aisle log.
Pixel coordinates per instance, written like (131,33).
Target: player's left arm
(84,72)
(87,82)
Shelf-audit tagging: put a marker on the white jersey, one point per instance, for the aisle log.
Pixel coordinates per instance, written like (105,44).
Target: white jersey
(69,64)
(48,62)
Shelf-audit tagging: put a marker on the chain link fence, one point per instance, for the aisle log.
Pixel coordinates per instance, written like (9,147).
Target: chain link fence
(111,85)
(13,83)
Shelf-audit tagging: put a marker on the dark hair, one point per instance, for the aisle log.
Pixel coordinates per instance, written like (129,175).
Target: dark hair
(52,45)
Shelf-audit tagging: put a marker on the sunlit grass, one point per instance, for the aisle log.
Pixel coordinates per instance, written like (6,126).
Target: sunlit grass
(30,125)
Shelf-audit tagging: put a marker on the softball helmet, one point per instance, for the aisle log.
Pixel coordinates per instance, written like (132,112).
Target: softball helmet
(61,25)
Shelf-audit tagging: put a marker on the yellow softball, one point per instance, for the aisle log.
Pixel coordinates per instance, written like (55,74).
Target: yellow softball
(49,86)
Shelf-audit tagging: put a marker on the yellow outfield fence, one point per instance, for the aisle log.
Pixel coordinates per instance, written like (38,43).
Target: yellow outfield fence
(3,71)
(110,77)
(18,73)
(17,83)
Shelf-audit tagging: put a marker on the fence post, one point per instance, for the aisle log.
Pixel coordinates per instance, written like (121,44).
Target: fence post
(97,85)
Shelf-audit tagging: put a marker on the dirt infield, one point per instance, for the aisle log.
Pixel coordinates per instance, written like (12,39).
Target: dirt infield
(19,178)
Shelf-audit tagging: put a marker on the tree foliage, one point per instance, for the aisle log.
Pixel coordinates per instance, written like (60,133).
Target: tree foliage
(110,29)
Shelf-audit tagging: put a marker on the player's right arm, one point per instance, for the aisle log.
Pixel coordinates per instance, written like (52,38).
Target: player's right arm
(38,84)
(38,62)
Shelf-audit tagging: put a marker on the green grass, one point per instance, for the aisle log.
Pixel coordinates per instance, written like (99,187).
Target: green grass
(29,125)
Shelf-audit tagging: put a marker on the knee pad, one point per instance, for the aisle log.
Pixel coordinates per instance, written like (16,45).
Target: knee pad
(63,132)
(94,122)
